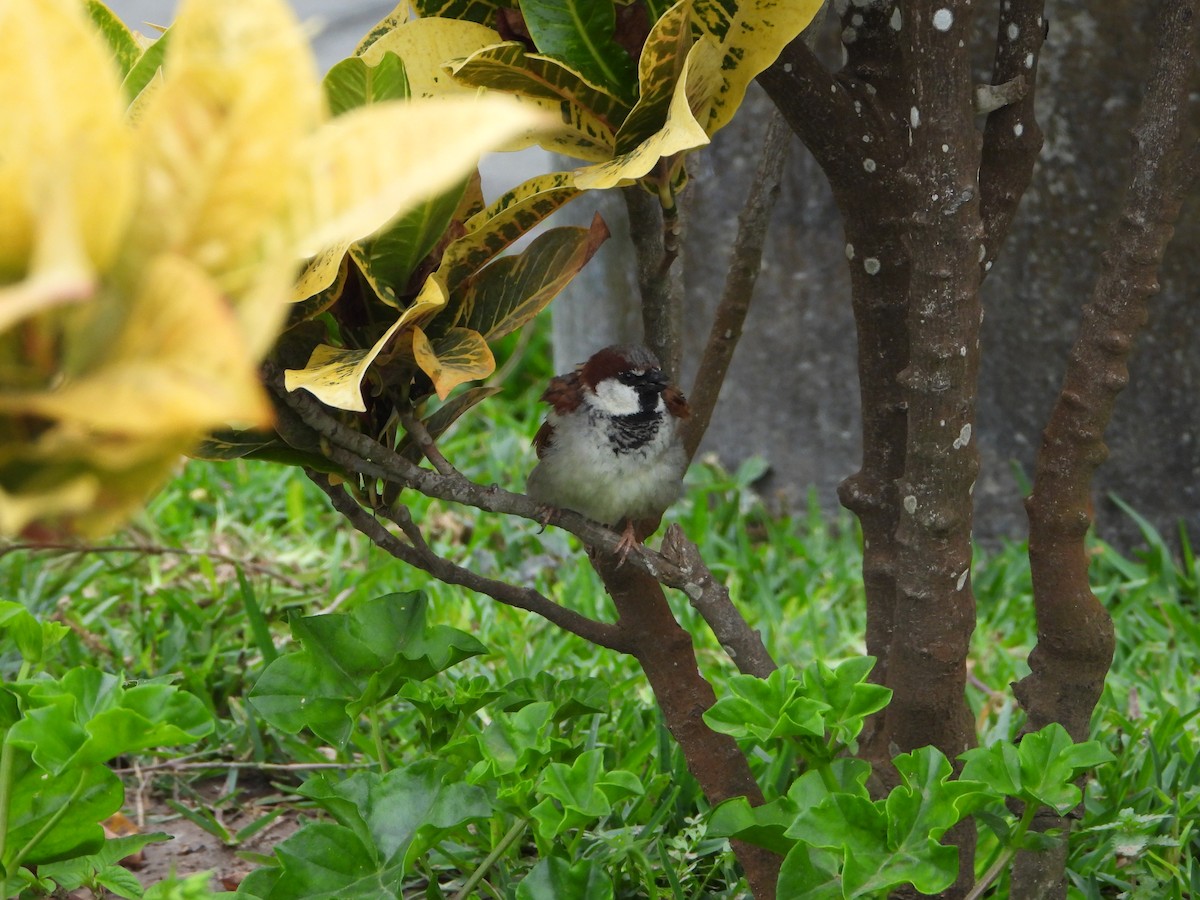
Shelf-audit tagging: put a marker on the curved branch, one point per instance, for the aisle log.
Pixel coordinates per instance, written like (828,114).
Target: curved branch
(744,265)
(419,554)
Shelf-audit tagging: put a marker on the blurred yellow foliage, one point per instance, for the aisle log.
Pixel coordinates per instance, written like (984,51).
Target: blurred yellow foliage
(147,256)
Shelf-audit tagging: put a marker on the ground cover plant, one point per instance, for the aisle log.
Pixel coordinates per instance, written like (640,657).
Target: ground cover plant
(564,738)
(432,764)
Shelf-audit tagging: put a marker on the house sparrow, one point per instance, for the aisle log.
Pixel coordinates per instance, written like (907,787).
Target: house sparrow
(610,447)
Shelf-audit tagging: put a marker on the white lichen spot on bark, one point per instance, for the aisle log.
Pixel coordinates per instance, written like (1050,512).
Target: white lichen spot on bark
(1018,129)
(943,19)
(849,251)
(1029,60)
(871,265)
(896,21)
(1013,31)
(910,504)
(964,436)
(914,117)
(962,579)
(869,165)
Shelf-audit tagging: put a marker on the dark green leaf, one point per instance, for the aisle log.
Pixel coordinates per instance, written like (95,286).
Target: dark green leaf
(554,878)
(580,33)
(70,804)
(511,291)
(352,83)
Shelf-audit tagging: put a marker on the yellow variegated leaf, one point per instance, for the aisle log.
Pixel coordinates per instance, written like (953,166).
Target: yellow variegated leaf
(220,143)
(584,115)
(750,35)
(459,356)
(320,272)
(425,46)
(680,133)
(334,376)
(513,290)
(179,366)
(659,69)
(513,215)
(66,167)
(59,499)
(354,189)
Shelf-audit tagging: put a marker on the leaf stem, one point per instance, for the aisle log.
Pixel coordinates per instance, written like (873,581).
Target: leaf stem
(377,736)
(481,870)
(51,822)
(1008,853)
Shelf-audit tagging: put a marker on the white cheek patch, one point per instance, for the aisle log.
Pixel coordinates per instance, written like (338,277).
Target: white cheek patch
(616,399)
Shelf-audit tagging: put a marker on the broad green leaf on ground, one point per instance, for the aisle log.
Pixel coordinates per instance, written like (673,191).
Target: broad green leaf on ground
(62,812)
(510,217)
(554,878)
(349,661)
(768,708)
(87,718)
(334,376)
(32,636)
(577,794)
(458,356)
(680,132)
(749,36)
(426,45)
(353,83)
(1040,769)
(389,258)
(72,874)
(586,116)
(511,291)
(384,822)
(580,33)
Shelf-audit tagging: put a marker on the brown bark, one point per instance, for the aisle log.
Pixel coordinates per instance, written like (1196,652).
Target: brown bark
(667,656)
(1075,632)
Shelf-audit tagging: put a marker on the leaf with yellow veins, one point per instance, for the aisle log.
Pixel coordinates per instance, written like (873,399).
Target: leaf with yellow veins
(749,36)
(425,46)
(320,272)
(585,115)
(334,376)
(459,356)
(659,68)
(513,215)
(681,132)
(354,189)
(178,366)
(66,166)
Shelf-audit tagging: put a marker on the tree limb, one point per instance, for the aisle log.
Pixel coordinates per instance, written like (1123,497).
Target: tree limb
(417,553)
(656,231)
(744,265)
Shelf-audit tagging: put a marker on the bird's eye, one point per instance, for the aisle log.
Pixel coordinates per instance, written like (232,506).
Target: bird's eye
(627,377)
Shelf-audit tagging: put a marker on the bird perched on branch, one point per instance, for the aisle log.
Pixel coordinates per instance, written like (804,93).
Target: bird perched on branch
(610,447)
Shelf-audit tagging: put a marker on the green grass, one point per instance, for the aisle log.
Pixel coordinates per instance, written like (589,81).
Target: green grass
(229,550)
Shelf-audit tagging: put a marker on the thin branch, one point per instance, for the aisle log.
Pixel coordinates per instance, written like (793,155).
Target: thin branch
(744,265)
(655,233)
(711,599)
(421,556)
(151,550)
(424,440)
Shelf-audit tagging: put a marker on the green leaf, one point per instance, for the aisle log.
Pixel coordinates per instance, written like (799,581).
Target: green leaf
(810,873)
(554,878)
(120,39)
(764,709)
(32,637)
(516,742)
(587,114)
(88,717)
(845,691)
(1049,763)
(147,65)
(659,70)
(580,33)
(511,291)
(353,83)
(482,11)
(62,811)
(389,258)
(763,826)
(384,822)
(513,215)
(350,661)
